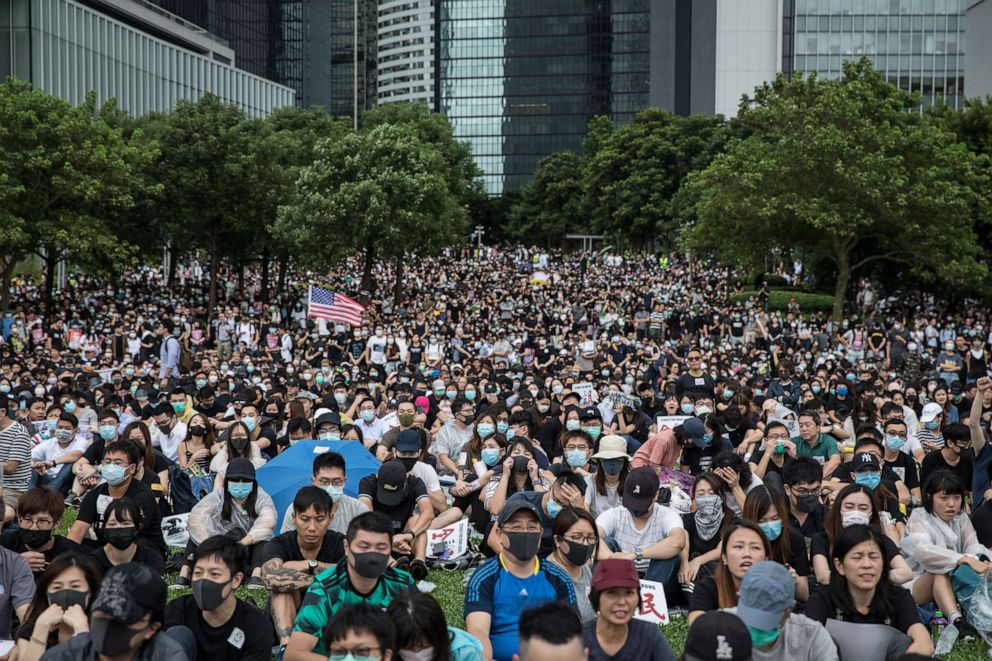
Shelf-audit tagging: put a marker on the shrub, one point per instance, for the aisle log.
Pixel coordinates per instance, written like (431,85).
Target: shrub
(779,300)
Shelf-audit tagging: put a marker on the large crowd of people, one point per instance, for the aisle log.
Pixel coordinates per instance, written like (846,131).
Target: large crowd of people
(799,488)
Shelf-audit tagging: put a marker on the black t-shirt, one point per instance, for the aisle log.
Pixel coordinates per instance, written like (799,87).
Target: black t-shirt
(286,547)
(982,520)
(247,636)
(772,466)
(904,467)
(814,521)
(11,540)
(700,459)
(143,554)
(822,607)
(697,545)
(401,513)
(798,553)
(820,545)
(96,500)
(737,436)
(704,596)
(688,384)
(934,461)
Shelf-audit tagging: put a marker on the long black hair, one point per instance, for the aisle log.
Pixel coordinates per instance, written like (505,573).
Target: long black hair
(848,538)
(39,603)
(225,510)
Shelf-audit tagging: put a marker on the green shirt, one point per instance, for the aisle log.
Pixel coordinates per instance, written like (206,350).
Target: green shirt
(824,449)
(332,590)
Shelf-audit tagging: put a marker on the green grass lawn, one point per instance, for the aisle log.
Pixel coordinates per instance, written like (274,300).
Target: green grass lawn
(450,593)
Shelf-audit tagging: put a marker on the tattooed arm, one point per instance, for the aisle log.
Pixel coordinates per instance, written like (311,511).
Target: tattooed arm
(280,576)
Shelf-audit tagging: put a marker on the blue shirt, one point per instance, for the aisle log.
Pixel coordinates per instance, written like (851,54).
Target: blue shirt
(494,590)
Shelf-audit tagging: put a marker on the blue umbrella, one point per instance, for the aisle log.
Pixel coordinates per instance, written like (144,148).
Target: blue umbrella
(283,476)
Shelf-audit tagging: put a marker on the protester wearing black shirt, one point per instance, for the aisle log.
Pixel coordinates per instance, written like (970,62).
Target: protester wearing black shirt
(119,465)
(119,530)
(292,559)
(225,627)
(38,514)
(955,456)
(403,498)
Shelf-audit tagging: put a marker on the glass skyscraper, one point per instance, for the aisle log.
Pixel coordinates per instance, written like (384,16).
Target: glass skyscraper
(520,80)
(918,44)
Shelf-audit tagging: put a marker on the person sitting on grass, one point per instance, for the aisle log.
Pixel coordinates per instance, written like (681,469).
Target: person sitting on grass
(119,531)
(515,579)
(292,559)
(225,628)
(422,633)
(552,632)
(358,631)
(363,578)
(39,512)
(330,474)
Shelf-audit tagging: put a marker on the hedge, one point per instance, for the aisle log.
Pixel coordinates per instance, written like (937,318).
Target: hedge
(779,300)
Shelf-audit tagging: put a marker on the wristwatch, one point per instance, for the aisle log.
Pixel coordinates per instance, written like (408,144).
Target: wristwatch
(638,556)
(312,567)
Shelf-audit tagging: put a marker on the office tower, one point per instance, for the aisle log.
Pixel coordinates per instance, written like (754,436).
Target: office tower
(406,58)
(978,57)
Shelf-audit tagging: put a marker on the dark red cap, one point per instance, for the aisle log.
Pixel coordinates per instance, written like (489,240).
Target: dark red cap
(615,573)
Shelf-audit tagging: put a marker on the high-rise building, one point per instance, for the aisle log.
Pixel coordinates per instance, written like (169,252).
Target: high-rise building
(520,80)
(286,41)
(353,61)
(406,51)
(978,57)
(139,54)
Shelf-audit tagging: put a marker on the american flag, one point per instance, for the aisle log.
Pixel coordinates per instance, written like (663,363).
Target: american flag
(325,304)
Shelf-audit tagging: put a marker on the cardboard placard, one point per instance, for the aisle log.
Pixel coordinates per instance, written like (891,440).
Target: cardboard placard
(654,606)
(615,396)
(670,421)
(584,390)
(448,542)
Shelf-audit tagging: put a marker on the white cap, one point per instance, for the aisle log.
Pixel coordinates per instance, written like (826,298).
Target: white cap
(930,412)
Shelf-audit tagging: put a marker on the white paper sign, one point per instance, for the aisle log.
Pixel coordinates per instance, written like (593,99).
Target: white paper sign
(654,606)
(670,421)
(174,530)
(391,420)
(584,390)
(321,449)
(448,542)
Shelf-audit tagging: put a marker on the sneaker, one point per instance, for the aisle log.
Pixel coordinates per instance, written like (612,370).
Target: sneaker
(403,562)
(180,583)
(255,583)
(418,569)
(72,500)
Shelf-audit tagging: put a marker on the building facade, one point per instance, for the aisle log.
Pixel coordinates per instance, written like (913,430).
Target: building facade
(405,59)
(520,80)
(147,60)
(978,56)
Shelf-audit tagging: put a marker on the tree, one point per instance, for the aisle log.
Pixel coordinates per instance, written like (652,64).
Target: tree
(550,206)
(63,172)
(841,170)
(634,172)
(214,171)
(382,190)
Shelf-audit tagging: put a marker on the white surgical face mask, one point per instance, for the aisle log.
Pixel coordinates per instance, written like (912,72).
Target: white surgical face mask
(426,654)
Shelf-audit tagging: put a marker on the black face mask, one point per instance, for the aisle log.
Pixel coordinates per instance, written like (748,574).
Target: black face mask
(370,564)
(35,539)
(110,637)
(240,442)
(120,538)
(408,462)
(807,504)
(208,594)
(579,554)
(523,545)
(520,463)
(197,431)
(67,598)
(165,429)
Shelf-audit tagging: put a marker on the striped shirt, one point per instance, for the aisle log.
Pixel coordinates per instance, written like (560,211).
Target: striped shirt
(15,445)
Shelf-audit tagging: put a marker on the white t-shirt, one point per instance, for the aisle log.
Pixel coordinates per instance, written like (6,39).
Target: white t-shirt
(428,475)
(372,430)
(50,450)
(618,523)
(377,350)
(598,503)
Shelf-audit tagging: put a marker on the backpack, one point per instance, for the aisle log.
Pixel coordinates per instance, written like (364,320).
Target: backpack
(185,359)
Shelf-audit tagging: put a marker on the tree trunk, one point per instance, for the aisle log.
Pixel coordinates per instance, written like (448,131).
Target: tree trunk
(51,262)
(265,275)
(171,279)
(283,267)
(214,276)
(398,281)
(241,278)
(8,270)
(840,287)
(368,285)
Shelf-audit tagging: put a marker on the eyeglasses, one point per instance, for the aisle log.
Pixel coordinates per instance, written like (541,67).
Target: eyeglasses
(44,524)
(571,448)
(582,539)
(806,492)
(341,653)
(322,482)
(693,358)
(777,437)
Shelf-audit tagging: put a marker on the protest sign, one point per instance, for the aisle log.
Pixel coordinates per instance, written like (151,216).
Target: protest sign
(654,607)
(615,397)
(584,390)
(448,542)
(670,421)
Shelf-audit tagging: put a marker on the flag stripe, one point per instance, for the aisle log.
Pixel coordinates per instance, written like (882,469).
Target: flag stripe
(325,304)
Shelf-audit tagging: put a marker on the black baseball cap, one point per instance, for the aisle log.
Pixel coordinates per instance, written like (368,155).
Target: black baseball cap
(590,413)
(864,460)
(514,505)
(391,483)
(718,636)
(640,489)
(129,591)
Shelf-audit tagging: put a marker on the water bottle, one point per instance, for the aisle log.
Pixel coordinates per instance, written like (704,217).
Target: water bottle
(937,625)
(947,639)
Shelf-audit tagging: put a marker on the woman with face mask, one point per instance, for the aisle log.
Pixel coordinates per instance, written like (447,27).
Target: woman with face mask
(604,487)
(195,453)
(742,545)
(704,526)
(576,541)
(58,609)
(767,508)
(854,505)
(240,508)
(861,592)
(238,445)
(118,532)
(154,467)
(518,472)
(482,455)
(422,634)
